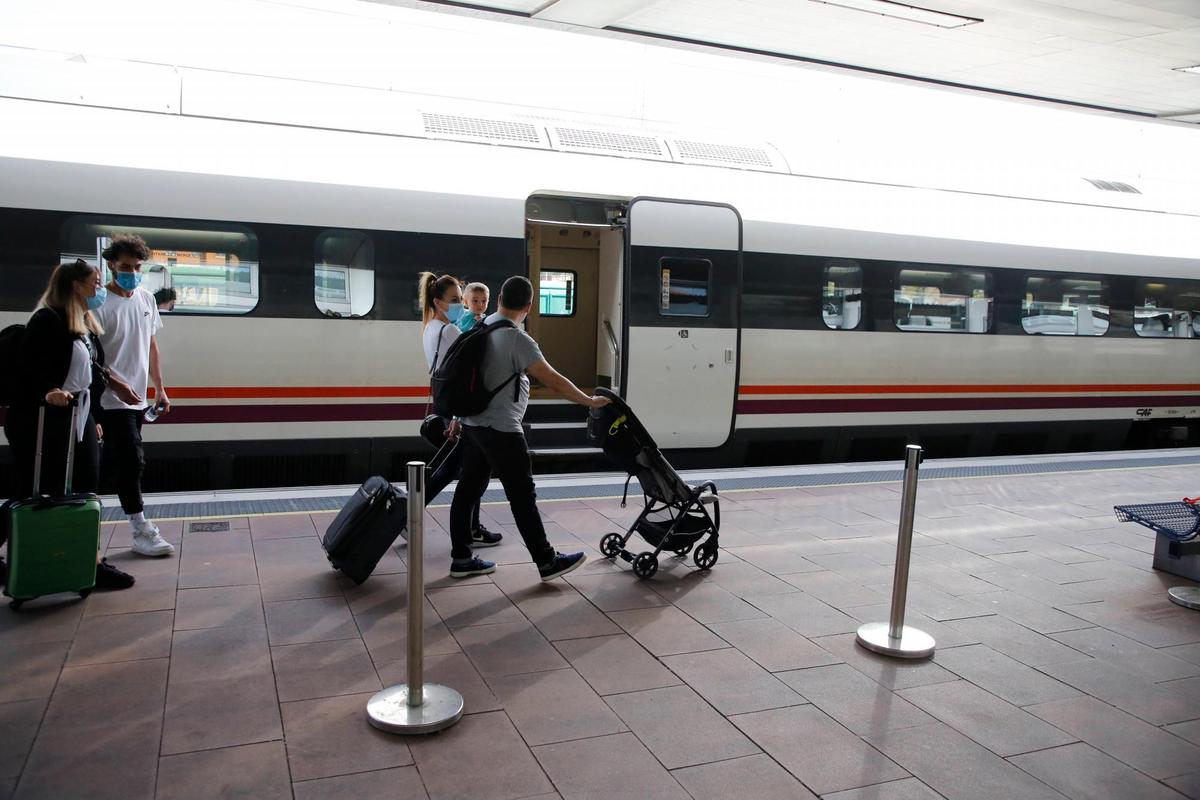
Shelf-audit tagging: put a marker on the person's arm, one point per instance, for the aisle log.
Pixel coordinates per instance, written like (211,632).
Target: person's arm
(160,392)
(552,379)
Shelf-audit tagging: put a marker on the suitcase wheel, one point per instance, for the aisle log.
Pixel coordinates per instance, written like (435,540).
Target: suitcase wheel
(15,605)
(83,593)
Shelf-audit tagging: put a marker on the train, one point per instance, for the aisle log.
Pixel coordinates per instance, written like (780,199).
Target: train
(751,314)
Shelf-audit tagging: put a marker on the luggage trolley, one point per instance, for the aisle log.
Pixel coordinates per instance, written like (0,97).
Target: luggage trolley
(675,516)
(1178,529)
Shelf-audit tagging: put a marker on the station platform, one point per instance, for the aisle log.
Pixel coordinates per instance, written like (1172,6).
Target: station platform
(241,666)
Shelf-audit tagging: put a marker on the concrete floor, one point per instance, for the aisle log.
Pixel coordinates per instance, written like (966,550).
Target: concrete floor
(241,667)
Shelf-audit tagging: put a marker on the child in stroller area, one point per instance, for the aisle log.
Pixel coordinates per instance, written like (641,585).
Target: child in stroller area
(675,516)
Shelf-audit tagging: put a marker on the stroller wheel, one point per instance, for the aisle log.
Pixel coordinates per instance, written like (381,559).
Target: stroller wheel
(611,545)
(645,565)
(706,555)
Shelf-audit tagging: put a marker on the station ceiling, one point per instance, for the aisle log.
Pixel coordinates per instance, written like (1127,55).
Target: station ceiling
(1125,55)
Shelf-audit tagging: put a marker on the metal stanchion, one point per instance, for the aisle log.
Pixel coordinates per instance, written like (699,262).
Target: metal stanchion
(894,638)
(416,706)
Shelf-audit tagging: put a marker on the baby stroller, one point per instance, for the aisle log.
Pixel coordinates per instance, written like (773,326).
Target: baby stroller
(675,516)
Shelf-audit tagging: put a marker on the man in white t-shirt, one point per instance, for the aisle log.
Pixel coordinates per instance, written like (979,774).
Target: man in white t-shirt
(130,320)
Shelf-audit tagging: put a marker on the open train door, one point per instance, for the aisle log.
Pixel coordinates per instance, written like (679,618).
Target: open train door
(682,293)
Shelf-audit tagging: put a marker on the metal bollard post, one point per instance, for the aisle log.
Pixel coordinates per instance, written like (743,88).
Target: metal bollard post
(415,707)
(894,638)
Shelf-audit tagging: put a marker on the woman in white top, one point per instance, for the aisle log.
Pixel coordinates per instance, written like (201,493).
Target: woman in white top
(62,365)
(441,307)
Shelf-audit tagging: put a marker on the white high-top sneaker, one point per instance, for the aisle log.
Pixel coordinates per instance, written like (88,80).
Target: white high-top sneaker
(147,541)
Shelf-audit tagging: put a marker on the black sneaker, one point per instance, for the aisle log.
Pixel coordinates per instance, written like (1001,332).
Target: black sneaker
(561,565)
(465,568)
(109,577)
(482,537)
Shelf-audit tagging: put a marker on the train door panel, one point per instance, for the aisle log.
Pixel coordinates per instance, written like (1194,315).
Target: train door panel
(566,289)
(683,275)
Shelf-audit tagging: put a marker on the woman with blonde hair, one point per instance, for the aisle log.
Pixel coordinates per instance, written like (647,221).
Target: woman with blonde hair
(441,308)
(61,367)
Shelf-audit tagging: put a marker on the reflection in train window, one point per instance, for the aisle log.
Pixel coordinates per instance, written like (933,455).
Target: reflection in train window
(1167,309)
(344,273)
(943,300)
(212,267)
(556,293)
(841,294)
(684,286)
(1065,305)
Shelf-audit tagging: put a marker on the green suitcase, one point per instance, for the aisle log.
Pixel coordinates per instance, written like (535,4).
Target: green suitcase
(52,541)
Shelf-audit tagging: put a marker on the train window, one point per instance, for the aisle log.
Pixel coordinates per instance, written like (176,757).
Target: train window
(344,273)
(944,300)
(841,295)
(556,293)
(1168,310)
(684,286)
(212,267)
(1065,305)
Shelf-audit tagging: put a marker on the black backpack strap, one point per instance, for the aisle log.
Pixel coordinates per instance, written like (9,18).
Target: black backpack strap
(437,350)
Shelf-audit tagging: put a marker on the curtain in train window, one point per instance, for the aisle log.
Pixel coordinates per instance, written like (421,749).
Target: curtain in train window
(684,285)
(556,293)
(212,268)
(1167,309)
(344,273)
(943,300)
(841,295)
(1065,305)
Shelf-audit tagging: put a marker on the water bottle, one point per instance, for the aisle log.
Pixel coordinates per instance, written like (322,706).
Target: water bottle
(153,411)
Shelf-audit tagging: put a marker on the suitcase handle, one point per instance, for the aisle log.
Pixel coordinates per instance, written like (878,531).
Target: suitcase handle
(37,458)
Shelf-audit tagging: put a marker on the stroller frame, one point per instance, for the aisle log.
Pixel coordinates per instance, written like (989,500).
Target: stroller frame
(687,522)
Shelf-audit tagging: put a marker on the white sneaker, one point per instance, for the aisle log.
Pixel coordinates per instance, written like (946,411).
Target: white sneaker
(147,541)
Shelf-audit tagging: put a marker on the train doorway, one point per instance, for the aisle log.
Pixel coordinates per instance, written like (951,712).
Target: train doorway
(643,297)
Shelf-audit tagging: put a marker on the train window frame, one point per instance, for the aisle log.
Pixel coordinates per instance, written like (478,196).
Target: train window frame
(830,300)
(988,290)
(1105,288)
(574,297)
(318,264)
(670,262)
(111,225)
(1173,289)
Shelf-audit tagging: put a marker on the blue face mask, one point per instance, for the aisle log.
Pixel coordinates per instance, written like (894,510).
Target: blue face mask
(128,280)
(98,299)
(454,313)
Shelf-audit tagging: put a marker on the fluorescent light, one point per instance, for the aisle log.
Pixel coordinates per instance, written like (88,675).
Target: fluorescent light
(1195,70)
(896,10)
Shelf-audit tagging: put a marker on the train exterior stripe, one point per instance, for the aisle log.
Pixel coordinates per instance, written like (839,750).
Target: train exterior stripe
(1065,388)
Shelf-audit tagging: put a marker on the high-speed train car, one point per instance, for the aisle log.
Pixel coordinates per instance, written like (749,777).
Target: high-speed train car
(749,314)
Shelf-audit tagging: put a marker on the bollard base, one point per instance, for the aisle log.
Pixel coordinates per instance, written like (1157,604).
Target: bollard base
(389,710)
(911,644)
(1186,596)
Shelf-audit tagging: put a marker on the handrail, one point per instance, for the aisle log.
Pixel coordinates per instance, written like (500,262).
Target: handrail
(612,340)
(616,349)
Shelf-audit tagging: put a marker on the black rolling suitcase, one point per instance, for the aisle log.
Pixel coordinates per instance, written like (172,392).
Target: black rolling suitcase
(369,523)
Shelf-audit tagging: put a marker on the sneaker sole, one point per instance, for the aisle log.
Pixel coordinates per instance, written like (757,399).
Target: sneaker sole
(571,568)
(477,543)
(159,554)
(472,572)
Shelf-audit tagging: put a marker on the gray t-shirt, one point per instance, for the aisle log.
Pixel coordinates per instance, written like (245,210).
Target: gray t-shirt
(509,350)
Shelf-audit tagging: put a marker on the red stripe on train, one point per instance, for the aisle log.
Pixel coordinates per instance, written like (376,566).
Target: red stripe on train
(900,404)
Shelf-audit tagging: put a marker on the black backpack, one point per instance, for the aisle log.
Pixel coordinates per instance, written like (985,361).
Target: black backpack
(457,383)
(12,345)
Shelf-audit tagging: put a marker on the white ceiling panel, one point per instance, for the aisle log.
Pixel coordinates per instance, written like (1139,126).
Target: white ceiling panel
(1120,54)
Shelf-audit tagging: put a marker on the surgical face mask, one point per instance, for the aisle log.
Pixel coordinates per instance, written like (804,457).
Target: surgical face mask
(128,280)
(454,313)
(97,300)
